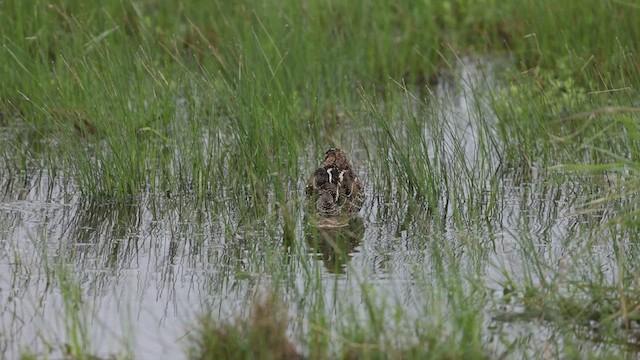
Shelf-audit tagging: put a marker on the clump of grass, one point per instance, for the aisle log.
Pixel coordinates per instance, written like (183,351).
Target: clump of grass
(263,335)
(78,342)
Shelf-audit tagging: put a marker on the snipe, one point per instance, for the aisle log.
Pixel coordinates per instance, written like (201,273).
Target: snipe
(334,186)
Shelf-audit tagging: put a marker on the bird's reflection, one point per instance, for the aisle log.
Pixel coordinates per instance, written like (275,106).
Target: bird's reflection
(334,242)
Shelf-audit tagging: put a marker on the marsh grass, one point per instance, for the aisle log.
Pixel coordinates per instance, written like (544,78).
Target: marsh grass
(262,335)
(77,318)
(220,114)
(147,65)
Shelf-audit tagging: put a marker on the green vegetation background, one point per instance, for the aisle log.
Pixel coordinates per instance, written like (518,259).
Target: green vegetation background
(261,83)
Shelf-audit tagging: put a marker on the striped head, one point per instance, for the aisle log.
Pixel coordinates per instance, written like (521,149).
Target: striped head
(335,158)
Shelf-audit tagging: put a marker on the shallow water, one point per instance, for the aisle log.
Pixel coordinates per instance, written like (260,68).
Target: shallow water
(147,269)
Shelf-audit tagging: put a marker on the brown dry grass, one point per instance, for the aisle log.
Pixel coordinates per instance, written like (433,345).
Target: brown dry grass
(261,336)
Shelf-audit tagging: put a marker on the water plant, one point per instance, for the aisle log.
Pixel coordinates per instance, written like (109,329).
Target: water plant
(497,143)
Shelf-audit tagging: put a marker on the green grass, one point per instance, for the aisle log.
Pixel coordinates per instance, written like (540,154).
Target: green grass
(263,79)
(222,109)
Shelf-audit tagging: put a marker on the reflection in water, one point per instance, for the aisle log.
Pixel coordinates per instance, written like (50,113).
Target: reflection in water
(104,233)
(335,245)
(137,264)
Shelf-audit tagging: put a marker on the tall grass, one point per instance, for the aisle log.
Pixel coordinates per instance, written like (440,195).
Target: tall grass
(229,105)
(259,81)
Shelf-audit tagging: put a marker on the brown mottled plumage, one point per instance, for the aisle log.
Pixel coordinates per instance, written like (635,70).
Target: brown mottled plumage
(335,187)
(327,204)
(336,158)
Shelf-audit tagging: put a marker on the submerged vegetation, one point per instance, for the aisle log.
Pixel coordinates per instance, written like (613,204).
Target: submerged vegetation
(498,144)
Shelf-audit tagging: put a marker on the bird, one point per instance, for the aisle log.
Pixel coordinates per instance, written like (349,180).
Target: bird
(335,187)
(327,202)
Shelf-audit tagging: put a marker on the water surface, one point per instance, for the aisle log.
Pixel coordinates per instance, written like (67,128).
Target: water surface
(146,269)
